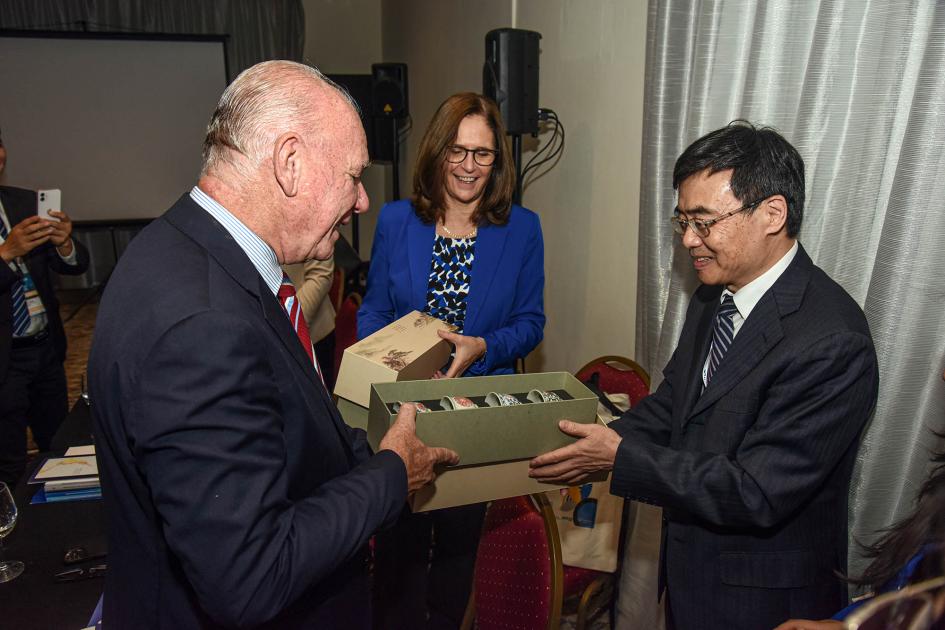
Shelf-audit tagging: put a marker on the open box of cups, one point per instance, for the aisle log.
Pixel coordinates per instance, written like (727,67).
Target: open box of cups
(495,423)
(492,399)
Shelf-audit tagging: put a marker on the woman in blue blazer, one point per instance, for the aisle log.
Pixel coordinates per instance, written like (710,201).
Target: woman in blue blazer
(462,252)
(468,212)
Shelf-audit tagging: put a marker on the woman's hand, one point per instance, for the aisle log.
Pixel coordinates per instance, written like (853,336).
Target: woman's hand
(467,351)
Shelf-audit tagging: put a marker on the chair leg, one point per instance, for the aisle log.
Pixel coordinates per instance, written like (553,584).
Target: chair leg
(469,617)
(589,597)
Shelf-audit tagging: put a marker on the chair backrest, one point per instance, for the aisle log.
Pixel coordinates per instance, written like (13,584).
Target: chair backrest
(336,288)
(346,326)
(618,375)
(518,578)
(910,608)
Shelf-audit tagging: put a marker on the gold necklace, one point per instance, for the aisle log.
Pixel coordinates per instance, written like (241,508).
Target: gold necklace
(451,235)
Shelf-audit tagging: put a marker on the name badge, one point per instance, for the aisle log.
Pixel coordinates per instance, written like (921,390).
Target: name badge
(33,302)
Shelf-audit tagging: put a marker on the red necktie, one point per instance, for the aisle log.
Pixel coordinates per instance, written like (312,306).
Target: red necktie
(293,307)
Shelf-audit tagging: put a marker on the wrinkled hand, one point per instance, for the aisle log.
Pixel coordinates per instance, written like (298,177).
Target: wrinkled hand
(467,350)
(61,232)
(418,457)
(595,450)
(806,624)
(26,236)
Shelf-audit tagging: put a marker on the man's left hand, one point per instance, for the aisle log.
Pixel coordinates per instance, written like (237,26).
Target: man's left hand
(467,351)
(595,450)
(61,235)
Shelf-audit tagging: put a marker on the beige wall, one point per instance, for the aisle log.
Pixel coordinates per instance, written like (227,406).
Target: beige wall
(344,37)
(592,61)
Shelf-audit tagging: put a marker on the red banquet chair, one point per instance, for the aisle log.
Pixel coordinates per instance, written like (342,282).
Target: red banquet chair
(617,375)
(518,580)
(592,590)
(346,327)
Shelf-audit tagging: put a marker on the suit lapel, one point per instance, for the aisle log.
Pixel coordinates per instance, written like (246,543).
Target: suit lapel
(758,335)
(419,247)
(191,219)
(699,353)
(490,245)
(760,332)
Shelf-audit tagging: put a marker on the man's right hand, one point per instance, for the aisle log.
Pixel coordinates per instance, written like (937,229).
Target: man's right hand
(25,236)
(418,457)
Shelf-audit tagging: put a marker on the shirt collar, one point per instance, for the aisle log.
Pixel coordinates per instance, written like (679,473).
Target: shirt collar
(259,253)
(749,295)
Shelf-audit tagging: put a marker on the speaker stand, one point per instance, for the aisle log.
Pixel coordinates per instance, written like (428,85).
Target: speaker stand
(395,164)
(517,157)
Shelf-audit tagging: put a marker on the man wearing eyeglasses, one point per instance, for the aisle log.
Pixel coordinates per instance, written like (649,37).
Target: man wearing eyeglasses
(748,443)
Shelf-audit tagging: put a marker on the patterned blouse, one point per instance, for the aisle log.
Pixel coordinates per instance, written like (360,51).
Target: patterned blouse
(449,279)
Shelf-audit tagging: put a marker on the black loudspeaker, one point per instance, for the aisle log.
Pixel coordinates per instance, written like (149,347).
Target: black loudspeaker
(390,90)
(510,77)
(359,86)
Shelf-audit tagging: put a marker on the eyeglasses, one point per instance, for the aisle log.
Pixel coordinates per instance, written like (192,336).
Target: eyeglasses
(701,227)
(456,154)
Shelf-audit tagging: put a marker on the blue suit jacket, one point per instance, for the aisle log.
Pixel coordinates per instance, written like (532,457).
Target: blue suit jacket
(234,493)
(505,304)
(753,472)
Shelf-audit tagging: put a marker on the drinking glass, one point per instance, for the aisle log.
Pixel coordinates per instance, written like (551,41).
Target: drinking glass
(84,391)
(8,570)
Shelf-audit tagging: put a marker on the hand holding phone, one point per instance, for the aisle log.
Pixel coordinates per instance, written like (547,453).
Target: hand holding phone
(48,201)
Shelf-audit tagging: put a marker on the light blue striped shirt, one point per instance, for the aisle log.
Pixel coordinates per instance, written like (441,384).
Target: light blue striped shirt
(260,254)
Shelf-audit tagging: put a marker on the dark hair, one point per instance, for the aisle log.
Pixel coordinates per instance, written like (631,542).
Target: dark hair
(763,164)
(429,176)
(902,541)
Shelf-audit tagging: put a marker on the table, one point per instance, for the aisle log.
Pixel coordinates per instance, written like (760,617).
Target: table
(40,539)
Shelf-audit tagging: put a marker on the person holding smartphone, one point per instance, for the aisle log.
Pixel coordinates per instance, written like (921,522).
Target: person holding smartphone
(32,339)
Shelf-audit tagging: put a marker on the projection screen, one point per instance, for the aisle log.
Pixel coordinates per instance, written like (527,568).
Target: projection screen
(115,122)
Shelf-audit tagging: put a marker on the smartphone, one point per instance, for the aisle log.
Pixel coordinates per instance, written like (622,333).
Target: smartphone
(47,200)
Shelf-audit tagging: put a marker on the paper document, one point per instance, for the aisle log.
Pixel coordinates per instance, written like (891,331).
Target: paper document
(59,467)
(75,451)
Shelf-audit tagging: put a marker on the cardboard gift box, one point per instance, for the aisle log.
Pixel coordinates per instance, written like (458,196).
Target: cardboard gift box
(495,444)
(404,350)
(354,415)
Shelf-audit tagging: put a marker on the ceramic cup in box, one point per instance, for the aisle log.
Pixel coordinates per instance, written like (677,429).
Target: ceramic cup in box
(539,395)
(421,408)
(496,399)
(455,403)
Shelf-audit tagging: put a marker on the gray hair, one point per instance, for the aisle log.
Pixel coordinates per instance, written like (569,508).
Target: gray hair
(256,107)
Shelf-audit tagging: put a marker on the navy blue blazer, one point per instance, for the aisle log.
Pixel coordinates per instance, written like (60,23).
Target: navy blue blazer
(753,472)
(505,305)
(234,493)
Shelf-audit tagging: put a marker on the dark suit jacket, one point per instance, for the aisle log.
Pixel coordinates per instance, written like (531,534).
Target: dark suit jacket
(235,494)
(20,204)
(506,289)
(753,473)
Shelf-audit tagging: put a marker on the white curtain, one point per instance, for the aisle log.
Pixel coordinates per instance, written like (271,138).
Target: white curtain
(858,87)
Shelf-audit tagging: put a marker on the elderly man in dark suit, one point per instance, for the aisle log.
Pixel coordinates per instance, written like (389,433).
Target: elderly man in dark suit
(32,340)
(235,494)
(748,443)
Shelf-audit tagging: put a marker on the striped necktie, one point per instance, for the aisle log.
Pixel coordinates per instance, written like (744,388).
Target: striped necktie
(21,315)
(722,335)
(293,308)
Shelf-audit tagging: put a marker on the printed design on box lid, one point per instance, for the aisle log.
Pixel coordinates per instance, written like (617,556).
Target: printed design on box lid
(371,347)
(396,359)
(425,319)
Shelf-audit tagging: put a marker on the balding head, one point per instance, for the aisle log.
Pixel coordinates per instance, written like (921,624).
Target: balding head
(260,104)
(284,153)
